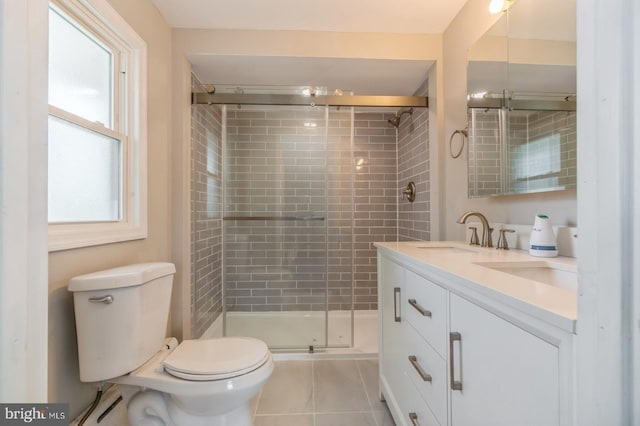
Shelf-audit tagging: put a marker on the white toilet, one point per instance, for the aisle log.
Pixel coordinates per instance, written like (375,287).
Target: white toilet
(121,322)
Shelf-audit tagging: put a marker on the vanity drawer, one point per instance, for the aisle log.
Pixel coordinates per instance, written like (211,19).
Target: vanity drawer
(425,307)
(428,373)
(414,411)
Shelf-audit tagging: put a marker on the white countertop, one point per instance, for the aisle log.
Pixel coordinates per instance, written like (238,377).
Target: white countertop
(460,268)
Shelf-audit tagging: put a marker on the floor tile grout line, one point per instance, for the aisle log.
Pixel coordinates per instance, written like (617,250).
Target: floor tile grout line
(313,391)
(314,415)
(255,410)
(364,387)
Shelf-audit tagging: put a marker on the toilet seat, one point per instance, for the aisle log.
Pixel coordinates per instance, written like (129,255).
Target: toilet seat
(216,359)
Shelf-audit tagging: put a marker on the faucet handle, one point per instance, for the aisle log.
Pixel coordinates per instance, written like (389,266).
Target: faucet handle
(502,239)
(474,236)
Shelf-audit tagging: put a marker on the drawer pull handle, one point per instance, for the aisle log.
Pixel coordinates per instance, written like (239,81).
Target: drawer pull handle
(414,419)
(414,361)
(454,337)
(423,311)
(396,304)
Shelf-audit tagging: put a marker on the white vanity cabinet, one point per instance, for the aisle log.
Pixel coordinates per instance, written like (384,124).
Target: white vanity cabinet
(447,359)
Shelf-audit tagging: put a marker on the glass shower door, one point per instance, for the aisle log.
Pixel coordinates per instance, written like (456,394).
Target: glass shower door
(275,225)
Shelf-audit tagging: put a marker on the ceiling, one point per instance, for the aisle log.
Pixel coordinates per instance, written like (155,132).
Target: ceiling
(364,76)
(377,16)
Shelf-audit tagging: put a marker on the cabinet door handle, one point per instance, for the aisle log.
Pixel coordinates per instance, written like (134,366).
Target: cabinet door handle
(396,304)
(423,311)
(414,419)
(414,361)
(454,337)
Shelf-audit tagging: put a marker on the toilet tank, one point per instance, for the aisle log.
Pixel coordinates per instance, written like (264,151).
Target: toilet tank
(121,317)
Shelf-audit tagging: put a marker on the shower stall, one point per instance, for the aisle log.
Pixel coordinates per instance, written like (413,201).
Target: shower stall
(276,222)
(286,203)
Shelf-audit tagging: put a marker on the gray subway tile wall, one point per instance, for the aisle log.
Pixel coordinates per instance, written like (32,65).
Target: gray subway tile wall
(485,156)
(413,166)
(275,167)
(360,208)
(376,199)
(340,214)
(275,163)
(206,222)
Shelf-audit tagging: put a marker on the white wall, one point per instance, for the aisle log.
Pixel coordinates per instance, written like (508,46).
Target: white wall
(319,44)
(64,383)
(181,194)
(23,197)
(608,340)
(473,20)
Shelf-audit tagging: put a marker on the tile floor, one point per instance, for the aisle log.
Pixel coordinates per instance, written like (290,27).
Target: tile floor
(322,393)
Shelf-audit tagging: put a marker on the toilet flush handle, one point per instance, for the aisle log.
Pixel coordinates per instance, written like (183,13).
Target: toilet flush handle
(107,300)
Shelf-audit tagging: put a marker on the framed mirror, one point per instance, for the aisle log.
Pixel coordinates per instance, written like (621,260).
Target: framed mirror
(521,85)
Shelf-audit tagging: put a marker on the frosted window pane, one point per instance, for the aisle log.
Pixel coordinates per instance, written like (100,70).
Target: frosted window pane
(80,72)
(84,174)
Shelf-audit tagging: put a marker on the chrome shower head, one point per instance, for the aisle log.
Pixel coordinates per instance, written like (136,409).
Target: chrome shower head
(395,121)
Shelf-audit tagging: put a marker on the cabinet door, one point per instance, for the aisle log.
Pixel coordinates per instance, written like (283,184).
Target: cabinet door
(391,339)
(508,376)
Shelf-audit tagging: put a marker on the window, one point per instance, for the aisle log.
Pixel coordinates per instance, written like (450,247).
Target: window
(97,126)
(540,157)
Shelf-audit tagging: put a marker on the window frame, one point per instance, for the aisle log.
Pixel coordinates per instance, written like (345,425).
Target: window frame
(129,117)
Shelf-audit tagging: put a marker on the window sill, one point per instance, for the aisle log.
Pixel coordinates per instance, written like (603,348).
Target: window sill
(71,236)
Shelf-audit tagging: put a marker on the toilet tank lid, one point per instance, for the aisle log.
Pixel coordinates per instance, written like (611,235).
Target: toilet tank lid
(124,276)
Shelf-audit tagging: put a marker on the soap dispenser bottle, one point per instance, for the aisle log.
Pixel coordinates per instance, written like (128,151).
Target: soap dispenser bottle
(542,242)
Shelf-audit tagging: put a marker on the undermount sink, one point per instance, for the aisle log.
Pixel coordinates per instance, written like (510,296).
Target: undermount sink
(550,273)
(446,249)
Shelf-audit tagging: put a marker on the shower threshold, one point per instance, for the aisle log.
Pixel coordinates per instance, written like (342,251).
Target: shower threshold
(290,334)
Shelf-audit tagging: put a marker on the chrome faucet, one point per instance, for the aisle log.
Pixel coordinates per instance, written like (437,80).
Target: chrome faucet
(486,230)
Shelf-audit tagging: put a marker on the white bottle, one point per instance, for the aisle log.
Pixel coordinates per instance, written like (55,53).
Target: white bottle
(542,242)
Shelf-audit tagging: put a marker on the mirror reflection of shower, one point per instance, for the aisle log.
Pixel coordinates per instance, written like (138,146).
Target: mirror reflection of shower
(395,121)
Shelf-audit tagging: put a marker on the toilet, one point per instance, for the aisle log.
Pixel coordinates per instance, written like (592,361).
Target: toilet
(121,322)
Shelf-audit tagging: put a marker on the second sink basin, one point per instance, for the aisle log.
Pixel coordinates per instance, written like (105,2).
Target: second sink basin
(550,273)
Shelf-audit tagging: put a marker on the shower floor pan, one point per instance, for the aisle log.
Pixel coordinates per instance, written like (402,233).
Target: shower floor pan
(289,334)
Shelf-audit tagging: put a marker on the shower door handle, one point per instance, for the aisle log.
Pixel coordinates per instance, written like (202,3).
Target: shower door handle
(396,304)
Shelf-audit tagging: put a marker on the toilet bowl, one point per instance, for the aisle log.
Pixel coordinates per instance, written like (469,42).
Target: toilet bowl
(199,382)
(121,319)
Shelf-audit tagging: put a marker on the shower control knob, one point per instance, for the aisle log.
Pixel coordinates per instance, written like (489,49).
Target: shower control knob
(409,192)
